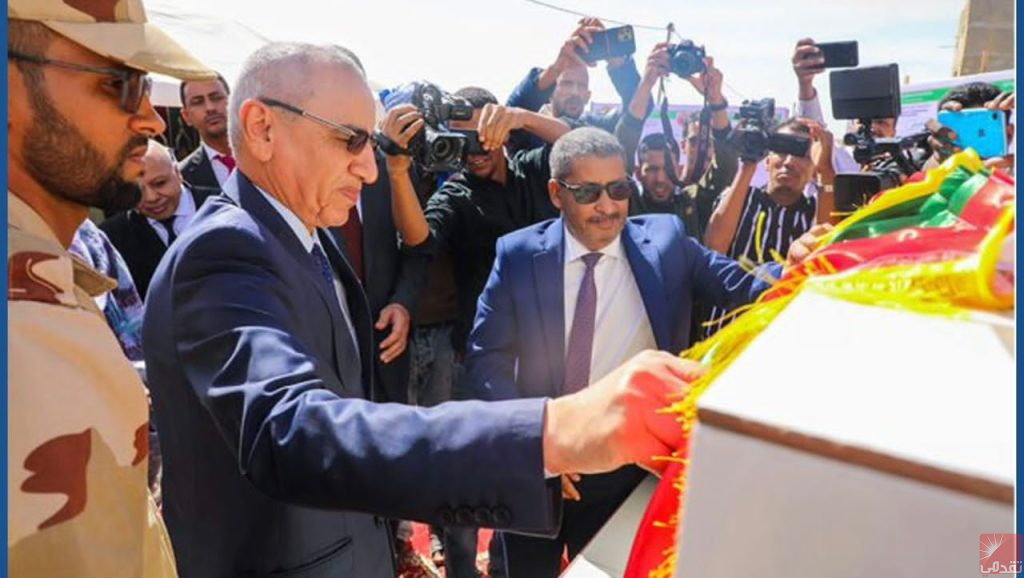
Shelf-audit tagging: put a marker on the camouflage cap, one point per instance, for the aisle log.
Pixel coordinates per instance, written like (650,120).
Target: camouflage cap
(117,29)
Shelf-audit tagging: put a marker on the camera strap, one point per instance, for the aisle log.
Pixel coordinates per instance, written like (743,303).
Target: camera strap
(703,142)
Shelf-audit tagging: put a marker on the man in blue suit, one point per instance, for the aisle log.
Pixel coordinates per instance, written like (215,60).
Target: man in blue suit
(570,299)
(258,349)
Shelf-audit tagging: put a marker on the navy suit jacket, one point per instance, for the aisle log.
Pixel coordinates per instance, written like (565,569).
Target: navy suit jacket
(517,346)
(274,460)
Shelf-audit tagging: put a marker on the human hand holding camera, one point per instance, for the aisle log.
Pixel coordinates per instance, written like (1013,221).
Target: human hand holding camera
(822,143)
(808,61)
(709,82)
(658,65)
(399,126)
(496,124)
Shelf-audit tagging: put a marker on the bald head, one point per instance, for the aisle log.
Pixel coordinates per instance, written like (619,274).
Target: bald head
(283,71)
(292,117)
(161,182)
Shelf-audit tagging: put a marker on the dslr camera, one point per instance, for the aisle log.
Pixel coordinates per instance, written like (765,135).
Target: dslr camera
(755,136)
(686,58)
(435,148)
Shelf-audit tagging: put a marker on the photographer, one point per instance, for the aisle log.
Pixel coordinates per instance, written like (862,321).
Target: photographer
(492,196)
(692,197)
(808,62)
(753,223)
(970,96)
(562,89)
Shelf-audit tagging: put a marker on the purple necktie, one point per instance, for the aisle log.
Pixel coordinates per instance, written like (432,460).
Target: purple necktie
(581,337)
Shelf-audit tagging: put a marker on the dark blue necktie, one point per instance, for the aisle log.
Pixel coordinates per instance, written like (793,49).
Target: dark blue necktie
(326,273)
(581,336)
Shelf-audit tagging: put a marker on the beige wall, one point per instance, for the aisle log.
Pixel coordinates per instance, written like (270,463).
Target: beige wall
(985,38)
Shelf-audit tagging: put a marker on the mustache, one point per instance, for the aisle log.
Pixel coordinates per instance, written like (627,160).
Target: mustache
(574,101)
(606,217)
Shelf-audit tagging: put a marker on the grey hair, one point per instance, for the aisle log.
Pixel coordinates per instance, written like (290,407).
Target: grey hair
(272,71)
(582,142)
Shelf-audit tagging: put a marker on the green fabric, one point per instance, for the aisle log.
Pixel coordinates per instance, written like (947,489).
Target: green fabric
(941,209)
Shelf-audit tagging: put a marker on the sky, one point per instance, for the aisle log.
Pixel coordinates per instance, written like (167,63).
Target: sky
(493,43)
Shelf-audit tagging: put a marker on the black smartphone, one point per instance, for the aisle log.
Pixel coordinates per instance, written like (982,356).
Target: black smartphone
(473,146)
(839,54)
(610,43)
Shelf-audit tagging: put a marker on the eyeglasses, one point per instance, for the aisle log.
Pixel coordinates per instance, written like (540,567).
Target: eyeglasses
(587,193)
(134,85)
(355,138)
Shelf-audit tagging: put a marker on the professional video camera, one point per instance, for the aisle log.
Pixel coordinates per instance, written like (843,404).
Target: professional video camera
(866,94)
(686,58)
(437,149)
(754,137)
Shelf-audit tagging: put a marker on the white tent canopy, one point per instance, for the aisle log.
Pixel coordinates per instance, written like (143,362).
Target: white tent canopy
(221,43)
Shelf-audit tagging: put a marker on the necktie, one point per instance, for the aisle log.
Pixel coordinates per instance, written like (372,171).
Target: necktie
(168,225)
(326,273)
(228,161)
(353,232)
(581,336)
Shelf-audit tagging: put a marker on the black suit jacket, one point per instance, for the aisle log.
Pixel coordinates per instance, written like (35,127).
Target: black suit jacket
(138,243)
(394,273)
(197,171)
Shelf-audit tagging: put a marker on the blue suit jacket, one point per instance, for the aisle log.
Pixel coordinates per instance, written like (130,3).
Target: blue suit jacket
(517,346)
(274,460)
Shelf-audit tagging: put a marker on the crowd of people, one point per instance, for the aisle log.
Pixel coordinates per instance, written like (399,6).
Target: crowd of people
(294,340)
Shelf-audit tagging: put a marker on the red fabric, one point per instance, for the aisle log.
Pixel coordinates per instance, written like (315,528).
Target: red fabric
(353,231)
(227,160)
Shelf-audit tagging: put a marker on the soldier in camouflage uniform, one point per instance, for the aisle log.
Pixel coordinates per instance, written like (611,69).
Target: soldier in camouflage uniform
(79,117)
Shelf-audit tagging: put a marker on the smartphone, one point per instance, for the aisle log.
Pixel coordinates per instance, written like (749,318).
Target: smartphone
(839,54)
(978,128)
(473,146)
(610,43)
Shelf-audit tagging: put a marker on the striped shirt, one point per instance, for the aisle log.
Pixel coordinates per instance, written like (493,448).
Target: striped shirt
(765,227)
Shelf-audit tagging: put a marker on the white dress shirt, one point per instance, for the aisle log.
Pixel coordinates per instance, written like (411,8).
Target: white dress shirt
(308,240)
(621,326)
(221,170)
(182,215)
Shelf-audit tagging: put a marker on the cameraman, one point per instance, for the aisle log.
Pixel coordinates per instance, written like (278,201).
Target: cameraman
(562,89)
(692,202)
(492,196)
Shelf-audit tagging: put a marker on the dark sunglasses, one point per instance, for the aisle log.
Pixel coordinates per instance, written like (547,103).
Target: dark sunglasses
(134,85)
(587,193)
(355,138)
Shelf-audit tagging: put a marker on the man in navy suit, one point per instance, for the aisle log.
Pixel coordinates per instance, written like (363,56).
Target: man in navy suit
(258,350)
(570,299)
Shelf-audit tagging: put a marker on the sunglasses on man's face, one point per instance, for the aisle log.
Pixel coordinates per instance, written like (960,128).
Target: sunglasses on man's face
(133,85)
(355,138)
(588,193)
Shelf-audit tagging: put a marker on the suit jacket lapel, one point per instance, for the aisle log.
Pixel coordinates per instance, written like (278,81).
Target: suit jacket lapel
(646,265)
(150,242)
(548,276)
(358,309)
(204,166)
(253,202)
